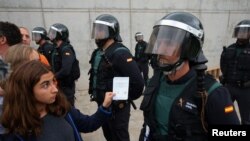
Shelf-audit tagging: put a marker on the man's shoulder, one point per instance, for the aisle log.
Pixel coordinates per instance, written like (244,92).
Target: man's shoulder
(232,46)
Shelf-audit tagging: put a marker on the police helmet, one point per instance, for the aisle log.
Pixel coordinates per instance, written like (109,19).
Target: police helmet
(39,33)
(106,26)
(242,30)
(138,36)
(176,34)
(58,31)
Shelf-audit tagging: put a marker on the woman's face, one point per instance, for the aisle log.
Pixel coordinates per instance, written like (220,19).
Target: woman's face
(45,90)
(169,52)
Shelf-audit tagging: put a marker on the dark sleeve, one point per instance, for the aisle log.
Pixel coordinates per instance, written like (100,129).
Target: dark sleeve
(48,51)
(222,61)
(220,108)
(68,59)
(85,123)
(8,137)
(123,63)
(145,56)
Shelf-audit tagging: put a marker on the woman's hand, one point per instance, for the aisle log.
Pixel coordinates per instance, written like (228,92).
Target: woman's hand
(108,99)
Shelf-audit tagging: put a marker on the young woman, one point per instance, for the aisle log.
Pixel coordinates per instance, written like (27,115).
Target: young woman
(34,109)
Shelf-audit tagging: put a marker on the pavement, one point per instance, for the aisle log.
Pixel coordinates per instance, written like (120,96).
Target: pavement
(85,106)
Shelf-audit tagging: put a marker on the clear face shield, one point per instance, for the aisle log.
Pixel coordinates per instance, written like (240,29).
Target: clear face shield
(242,32)
(166,42)
(52,33)
(100,31)
(138,37)
(36,35)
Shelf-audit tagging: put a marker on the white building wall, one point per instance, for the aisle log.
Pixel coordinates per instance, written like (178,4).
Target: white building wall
(218,18)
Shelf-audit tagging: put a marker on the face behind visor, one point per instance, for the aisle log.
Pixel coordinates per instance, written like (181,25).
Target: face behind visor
(178,37)
(36,36)
(101,31)
(242,30)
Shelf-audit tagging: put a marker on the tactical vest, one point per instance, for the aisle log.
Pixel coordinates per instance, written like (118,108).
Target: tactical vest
(235,65)
(57,64)
(105,73)
(184,118)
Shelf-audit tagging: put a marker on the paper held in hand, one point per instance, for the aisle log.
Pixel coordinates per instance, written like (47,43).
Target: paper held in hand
(120,88)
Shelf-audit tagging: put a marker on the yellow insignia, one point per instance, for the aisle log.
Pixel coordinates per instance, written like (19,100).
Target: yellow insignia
(67,53)
(229,109)
(129,59)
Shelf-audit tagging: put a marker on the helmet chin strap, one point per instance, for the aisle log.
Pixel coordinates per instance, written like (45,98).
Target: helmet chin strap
(172,68)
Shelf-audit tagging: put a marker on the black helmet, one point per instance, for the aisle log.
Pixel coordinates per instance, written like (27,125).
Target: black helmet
(110,27)
(58,32)
(177,34)
(138,36)
(242,30)
(39,33)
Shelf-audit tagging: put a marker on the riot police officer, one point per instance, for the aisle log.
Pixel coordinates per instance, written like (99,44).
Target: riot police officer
(63,58)
(180,100)
(236,70)
(39,35)
(111,59)
(141,58)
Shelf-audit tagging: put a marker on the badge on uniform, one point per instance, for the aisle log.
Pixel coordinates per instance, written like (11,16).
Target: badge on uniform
(129,59)
(67,53)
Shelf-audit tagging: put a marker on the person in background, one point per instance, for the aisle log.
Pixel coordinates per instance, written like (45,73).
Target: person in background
(39,35)
(112,59)
(9,35)
(141,58)
(235,69)
(20,53)
(63,60)
(181,101)
(25,35)
(40,111)
(26,40)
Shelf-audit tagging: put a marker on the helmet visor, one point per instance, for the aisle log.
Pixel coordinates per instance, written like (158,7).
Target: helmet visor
(166,40)
(36,36)
(138,37)
(52,33)
(100,31)
(242,32)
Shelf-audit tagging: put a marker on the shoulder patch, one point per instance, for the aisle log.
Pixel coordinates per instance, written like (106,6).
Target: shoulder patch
(129,59)
(229,109)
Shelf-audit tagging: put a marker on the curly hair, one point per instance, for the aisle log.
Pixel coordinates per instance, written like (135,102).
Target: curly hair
(11,32)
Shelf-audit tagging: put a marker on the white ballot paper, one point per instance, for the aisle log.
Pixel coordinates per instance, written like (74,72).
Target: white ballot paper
(120,88)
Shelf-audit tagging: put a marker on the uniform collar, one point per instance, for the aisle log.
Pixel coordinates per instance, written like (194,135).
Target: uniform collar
(184,78)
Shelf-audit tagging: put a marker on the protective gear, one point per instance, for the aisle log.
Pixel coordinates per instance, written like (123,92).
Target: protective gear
(242,30)
(106,27)
(39,33)
(182,118)
(178,34)
(199,61)
(58,32)
(234,65)
(138,36)
(100,42)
